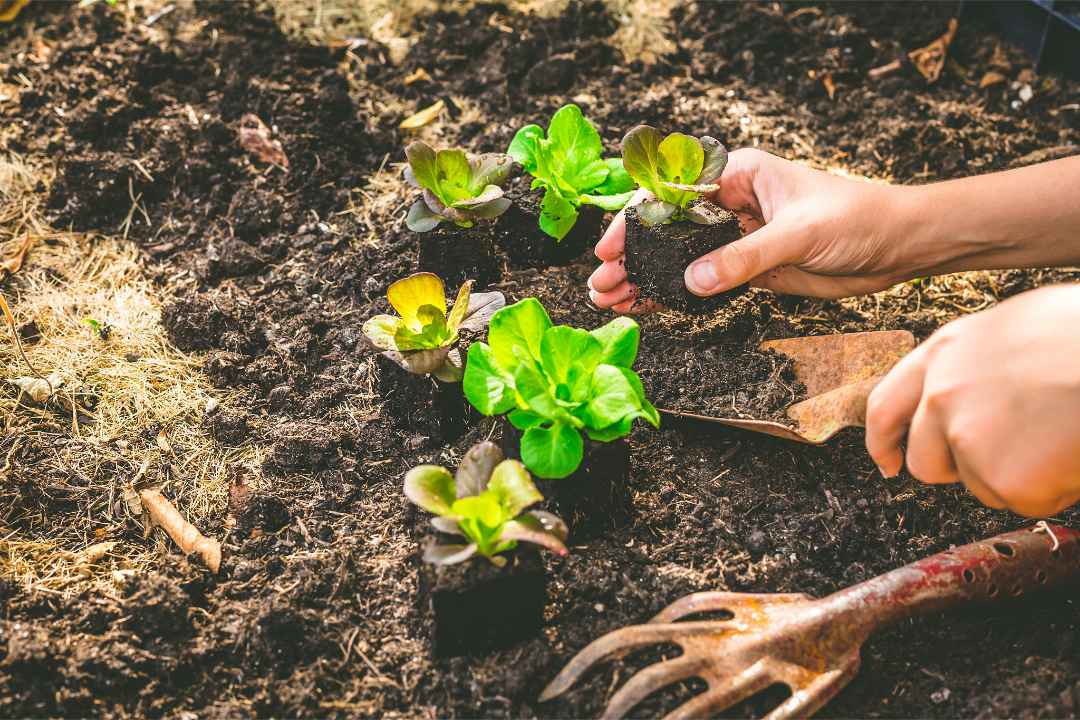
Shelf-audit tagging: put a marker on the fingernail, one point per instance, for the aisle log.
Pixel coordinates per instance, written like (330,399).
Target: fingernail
(588,284)
(883,473)
(701,277)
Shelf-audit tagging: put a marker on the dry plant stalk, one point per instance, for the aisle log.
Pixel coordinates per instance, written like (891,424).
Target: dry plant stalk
(931,59)
(885,70)
(183,533)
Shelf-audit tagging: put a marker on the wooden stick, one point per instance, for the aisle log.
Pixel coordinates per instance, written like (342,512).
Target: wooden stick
(183,533)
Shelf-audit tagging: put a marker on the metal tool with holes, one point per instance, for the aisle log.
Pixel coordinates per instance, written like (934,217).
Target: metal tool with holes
(812,646)
(839,372)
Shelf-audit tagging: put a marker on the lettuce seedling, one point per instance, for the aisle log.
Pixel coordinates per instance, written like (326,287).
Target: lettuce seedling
(457,187)
(556,382)
(484,502)
(677,170)
(422,340)
(568,166)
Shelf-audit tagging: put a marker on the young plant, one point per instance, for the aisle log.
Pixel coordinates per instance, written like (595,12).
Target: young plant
(568,166)
(677,170)
(422,340)
(484,503)
(457,187)
(556,382)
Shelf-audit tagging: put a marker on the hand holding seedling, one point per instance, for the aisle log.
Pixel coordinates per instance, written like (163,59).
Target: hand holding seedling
(991,400)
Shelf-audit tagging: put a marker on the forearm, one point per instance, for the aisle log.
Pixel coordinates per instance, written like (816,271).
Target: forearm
(1028,217)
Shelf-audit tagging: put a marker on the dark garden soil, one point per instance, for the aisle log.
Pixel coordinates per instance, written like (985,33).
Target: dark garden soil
(323,618)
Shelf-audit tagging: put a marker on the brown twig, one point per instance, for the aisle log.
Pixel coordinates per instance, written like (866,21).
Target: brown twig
(183,533)
(18,344)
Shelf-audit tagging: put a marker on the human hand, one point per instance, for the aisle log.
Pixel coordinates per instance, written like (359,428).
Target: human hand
(808,233)
(991,400)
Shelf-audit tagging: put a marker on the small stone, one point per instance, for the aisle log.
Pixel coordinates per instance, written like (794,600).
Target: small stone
(940,696)
(416,442)
(133,356)
(211,405)
(755,543)
(599,607)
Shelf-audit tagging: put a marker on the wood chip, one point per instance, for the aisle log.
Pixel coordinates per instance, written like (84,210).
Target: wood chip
(420,74)
(991,78)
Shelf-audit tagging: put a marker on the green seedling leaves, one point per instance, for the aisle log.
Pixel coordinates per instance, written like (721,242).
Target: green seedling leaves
(457,187)
(567,164)
(484,502)
(556,382)
(677,170)
(422,339)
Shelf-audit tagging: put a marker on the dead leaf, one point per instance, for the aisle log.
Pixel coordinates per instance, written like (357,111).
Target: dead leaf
(423,117)
(991,78)
(132,501)
(931,59)
(826,78)
(37,388)
(163,442)
(15,260)
(885,70)
(88,556)
(420,74)
(255,138)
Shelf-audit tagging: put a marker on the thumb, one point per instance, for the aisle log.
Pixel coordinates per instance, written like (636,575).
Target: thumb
(741,261)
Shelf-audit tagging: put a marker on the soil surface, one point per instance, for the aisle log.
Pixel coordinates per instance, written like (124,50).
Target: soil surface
(322,618)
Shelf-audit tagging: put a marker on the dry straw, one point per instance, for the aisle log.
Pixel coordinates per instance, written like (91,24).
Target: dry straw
(112,397)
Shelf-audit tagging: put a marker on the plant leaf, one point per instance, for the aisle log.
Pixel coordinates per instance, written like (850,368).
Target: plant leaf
(542,531)
(481,307)
(437,206)
(524,419)
(421,218)
(522,147)
(481,518)
(380,331)
(534,392)
(410,177)
(589,176)
(575,143)
(447,525)
(640,151)
(647,410)
(409,294)
(489,169)
(461,306)
(557,214)
(476,467)
(617,181)
(490,209)
(452,370)
(655,212)
(611,432)
(716,158)
(422,165)
(453,167)
(491,192)
(514,488)
(448,554)
(690,188)
(432,488)
(613,398)
(521,325)
(611,203)
(553,452)
(488,387)
(679,161)
(419,362)
(563,346)
(619,342)
(433,334)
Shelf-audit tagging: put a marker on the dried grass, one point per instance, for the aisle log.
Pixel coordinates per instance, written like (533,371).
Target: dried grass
(69,277)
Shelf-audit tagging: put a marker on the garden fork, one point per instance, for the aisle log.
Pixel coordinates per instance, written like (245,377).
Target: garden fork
(812,646)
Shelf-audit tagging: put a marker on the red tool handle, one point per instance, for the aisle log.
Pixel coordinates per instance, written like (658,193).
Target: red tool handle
(1014,565)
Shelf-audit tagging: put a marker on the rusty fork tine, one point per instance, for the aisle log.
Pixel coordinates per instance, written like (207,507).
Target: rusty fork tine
(719,600)
(725,692)
(614,644)
(651,679)
(811,691)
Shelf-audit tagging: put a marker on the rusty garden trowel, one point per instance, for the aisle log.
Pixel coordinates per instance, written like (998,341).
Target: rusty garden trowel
(839,372)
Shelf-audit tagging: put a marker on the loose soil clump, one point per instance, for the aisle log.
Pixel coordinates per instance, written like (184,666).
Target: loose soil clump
(527,246)
(656,259)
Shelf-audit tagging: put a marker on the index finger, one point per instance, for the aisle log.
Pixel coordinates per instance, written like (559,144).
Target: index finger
(611,245)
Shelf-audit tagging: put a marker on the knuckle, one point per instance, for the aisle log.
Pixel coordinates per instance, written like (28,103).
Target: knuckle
(740,258)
